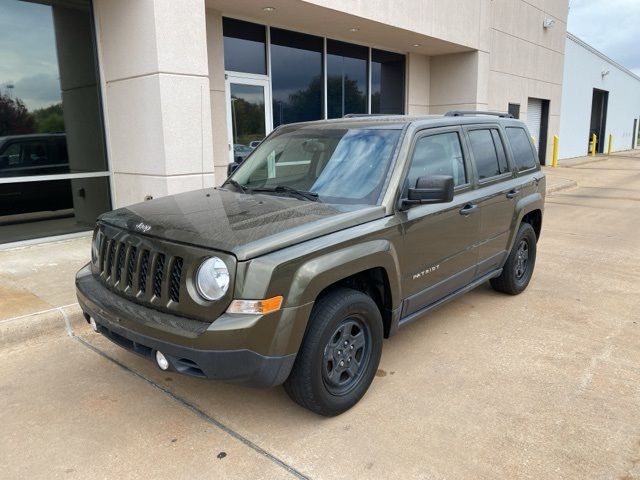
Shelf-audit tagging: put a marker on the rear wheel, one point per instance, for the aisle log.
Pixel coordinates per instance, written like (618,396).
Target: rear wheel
(339,355)
(518,268)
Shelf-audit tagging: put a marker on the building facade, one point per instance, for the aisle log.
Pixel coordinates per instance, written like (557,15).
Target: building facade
(179,89)
(599,96)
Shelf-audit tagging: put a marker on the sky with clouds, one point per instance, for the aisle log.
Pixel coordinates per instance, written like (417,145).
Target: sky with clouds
(28,53)
(611,26)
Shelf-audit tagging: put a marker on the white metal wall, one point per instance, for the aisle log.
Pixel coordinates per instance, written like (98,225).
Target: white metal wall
(583,71)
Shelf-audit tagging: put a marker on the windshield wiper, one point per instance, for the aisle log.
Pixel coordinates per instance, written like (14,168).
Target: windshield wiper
(238,185)
(311,196)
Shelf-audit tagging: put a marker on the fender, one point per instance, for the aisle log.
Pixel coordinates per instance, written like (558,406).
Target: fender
(320,272)
(534,201)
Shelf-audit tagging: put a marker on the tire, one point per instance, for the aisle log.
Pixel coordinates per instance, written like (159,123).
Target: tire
(518,269)
(318,381)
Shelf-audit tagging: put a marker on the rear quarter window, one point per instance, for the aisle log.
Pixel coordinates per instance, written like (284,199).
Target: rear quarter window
(521,148)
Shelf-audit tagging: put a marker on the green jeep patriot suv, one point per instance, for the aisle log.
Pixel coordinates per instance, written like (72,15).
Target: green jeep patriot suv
(329,237)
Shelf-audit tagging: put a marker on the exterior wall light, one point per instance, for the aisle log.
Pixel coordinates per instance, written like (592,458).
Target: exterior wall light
(548,23)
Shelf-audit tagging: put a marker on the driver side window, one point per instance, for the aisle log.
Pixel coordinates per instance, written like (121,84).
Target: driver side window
(439,154)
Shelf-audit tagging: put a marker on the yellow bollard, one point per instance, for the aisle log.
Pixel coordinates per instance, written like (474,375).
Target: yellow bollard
(610,146)
(554,158)
(594,140)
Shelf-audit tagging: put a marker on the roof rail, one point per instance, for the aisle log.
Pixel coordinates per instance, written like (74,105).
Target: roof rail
(358,115)
(463,113)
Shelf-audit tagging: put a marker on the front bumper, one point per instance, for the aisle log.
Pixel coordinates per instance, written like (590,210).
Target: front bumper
(253,349)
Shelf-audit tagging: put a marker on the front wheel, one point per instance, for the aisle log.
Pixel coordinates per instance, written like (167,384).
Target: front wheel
(339,355)
(518,268)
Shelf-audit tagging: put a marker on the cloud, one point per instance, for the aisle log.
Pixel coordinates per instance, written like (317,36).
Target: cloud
(36,91)
(28,52)
(612,27)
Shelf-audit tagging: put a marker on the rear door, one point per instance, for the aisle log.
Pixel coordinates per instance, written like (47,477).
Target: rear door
(497,193)
(439,254)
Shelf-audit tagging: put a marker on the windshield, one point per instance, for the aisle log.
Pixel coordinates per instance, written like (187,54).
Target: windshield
(339,165)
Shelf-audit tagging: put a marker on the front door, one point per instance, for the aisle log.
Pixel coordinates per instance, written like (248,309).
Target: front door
(440,240)
(249,114)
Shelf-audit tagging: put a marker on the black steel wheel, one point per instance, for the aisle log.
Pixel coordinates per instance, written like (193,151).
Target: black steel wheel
(518,268)
(346,355)
(340,353)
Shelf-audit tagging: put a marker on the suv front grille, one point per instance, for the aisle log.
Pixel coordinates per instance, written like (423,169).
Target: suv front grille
(134,279)
(154,272)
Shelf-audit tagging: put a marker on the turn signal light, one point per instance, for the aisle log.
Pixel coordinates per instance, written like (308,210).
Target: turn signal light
(260,307)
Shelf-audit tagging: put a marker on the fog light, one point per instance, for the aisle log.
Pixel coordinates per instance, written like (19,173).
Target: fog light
(93,324)
(162,361)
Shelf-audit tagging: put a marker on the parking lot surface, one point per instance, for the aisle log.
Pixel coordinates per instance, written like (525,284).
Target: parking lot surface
(542,385)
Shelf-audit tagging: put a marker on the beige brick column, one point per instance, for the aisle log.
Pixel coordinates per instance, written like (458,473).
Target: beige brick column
(155,79)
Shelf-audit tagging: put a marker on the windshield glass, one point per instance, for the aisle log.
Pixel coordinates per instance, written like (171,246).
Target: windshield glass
(339,165)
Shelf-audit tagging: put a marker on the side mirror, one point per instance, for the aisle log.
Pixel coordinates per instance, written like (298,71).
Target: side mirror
(431,189)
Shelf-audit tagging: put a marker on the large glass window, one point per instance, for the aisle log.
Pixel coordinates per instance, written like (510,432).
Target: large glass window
(346,78)
(387,82)
(244,46)
(53,168)
(299,82)
(296,77)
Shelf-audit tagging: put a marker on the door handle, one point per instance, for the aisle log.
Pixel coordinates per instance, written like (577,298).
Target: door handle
(468,209)
(513,193)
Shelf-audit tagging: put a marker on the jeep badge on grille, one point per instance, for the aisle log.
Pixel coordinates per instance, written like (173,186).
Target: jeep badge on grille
(143,227)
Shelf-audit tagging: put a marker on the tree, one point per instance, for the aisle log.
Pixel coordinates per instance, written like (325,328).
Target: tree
(15,119)
(49,119)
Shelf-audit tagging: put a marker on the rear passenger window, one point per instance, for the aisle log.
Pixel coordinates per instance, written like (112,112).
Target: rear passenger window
(488,153)
(521,147)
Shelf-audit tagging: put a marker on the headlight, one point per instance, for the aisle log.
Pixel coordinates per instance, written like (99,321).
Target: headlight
(212,279)
(94,246)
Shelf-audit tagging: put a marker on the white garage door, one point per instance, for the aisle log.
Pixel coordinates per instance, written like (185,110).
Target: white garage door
(534,118)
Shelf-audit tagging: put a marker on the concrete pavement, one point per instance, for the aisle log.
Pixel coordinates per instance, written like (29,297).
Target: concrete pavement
(542,385)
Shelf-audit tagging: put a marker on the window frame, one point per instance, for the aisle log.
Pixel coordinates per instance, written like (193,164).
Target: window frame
(496,178)
(429,132)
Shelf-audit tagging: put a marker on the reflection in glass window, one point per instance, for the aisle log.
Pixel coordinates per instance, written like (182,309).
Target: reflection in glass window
(522,148)
(485,155)
(387,82)
(340,165)
(439,154)
(50,120)
(296,77)
(247,114)
(346,78)
(244,46)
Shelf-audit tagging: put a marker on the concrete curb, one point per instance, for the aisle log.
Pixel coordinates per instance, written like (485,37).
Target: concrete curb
(563,184)
(61,320)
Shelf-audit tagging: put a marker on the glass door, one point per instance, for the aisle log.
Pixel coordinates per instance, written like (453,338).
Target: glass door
(249,113)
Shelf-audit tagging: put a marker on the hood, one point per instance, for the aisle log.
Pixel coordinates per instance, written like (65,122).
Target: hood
(246,225)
